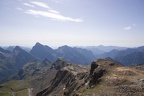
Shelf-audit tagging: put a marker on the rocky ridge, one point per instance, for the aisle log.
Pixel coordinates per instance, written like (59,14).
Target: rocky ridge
(104,78)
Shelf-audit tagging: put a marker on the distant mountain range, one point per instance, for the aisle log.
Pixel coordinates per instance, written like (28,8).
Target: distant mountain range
(102,49)
(128,56)
(71,71)
(13,58)
(71,54)
(10,48)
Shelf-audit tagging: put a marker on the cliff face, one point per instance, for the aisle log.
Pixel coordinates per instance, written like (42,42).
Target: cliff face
(67,81)
(111,79)
(104,77)
(70,78)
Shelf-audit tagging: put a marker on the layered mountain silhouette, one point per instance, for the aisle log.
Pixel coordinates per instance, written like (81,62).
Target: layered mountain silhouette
(56,72)
(11,62)
(127,57)
(102,49)
(72,54)
(75,55)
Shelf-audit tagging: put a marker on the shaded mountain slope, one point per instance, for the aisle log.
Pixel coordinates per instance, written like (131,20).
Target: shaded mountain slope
(127,57)
(42,52)
(21,56)
(72,54)
(132,58)
(75,55)
(11,62)
(33,69)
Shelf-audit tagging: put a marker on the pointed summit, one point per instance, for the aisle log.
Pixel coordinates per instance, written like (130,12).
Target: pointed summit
(38,44)
(17,48)
(42,52)
(60,63)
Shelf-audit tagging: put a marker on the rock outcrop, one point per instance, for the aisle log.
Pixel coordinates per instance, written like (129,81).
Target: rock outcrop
(70,78)
(67,81)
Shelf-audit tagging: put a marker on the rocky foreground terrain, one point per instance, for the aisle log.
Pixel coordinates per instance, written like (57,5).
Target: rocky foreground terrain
(102,77)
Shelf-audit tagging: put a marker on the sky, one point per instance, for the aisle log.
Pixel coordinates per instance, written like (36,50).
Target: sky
(72,22)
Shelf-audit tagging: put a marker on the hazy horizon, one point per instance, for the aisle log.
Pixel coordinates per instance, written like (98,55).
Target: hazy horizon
(55,47)
(73,23)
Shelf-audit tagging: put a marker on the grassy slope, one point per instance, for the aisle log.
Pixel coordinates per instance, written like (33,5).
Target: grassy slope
(16,87)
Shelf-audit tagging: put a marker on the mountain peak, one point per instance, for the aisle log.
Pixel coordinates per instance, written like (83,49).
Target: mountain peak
(38,44)
(64,47)
(60,63)
(42,52)
(17,48)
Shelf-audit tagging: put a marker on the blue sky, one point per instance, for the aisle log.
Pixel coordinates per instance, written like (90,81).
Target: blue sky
(72,22)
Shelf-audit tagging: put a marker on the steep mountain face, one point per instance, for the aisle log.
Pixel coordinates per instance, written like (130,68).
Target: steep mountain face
(75,55)
(45,80)
(5,63)
(11,62)
(42,52)
(21,56)
(132,58)
(127,57)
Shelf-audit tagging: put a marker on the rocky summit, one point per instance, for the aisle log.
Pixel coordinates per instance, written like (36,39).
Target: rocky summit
(104,78)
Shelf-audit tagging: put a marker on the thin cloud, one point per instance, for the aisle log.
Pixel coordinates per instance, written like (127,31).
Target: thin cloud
(40,4)
(53,11)
(30,5)
(127,28)
(54,15)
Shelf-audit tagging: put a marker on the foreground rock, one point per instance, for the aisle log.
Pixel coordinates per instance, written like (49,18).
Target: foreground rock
(105,78)
(62,78)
